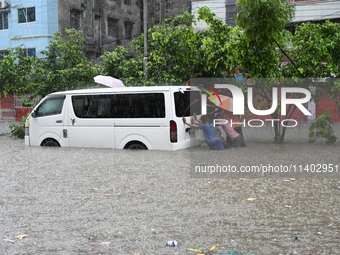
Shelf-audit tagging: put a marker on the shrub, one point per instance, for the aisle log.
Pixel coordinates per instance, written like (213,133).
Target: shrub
(321,128)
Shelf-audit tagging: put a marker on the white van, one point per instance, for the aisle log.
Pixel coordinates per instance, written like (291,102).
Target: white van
(121,118)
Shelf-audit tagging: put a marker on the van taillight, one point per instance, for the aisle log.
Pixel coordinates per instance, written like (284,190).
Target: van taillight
(173,131)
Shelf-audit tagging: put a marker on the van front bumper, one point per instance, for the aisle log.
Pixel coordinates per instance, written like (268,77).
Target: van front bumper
(27,137)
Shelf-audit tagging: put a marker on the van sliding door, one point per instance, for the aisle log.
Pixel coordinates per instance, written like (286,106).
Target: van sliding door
(91,121)
(141,118)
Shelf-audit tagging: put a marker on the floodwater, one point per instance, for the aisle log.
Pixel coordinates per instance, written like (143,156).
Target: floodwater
(103,201)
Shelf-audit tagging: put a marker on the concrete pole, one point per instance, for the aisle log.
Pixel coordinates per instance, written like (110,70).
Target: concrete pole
(145,23)
(161,11)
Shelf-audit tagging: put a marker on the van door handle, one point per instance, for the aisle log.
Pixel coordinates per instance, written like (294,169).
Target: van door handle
(59,121)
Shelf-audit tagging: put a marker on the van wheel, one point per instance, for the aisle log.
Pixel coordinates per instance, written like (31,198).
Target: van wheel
(135,146)
(50,143)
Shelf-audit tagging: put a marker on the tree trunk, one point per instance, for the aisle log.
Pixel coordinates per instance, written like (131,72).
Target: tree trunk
(277,129)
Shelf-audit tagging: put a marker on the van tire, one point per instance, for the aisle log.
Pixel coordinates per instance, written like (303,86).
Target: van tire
(49,142)
(135,146)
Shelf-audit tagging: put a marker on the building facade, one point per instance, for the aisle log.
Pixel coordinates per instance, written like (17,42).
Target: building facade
(316,10)
(27,24)
(105,23)
(216,6)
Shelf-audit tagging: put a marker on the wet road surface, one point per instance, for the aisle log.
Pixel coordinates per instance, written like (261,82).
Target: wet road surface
(102,201)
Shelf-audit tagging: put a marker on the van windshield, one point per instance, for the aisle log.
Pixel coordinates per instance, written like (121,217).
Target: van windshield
(187,103)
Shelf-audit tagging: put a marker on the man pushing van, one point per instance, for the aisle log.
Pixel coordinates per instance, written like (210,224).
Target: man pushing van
(209,132)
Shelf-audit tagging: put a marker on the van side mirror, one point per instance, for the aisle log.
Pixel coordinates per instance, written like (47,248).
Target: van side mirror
(33,114)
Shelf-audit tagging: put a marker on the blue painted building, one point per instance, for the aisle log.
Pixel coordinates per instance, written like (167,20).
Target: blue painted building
(27,24)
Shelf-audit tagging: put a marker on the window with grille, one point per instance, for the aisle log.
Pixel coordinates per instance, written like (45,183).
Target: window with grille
(26,15)
(3,20)
(30,52)
(128,29)
(112,27)
(3,53)
(75,19)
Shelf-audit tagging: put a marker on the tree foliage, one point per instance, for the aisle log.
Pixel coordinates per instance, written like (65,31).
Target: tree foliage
(119,64)
(315,49)
(321,128)
(64,67)
(172,50)
(214,46)
(177,52)
(14,70)
(264,20)
(263,23)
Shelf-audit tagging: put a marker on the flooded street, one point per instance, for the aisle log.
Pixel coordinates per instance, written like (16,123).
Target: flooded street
(104,201)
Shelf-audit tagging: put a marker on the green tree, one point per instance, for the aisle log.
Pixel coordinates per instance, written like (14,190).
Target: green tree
(177,52)
(14,72)
(215,50)
(173,50)
(321,128)
(263,23)
(121,65)
(64,67)
(315,49)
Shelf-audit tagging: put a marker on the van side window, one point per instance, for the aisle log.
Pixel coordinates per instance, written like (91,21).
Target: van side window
(137,105)
(51,106)
(187,103)
(92,106)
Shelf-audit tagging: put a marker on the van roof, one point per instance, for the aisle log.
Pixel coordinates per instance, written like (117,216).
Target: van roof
(120,89)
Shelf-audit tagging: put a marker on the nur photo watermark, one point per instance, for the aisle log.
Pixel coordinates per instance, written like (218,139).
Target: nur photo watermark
(276,119)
